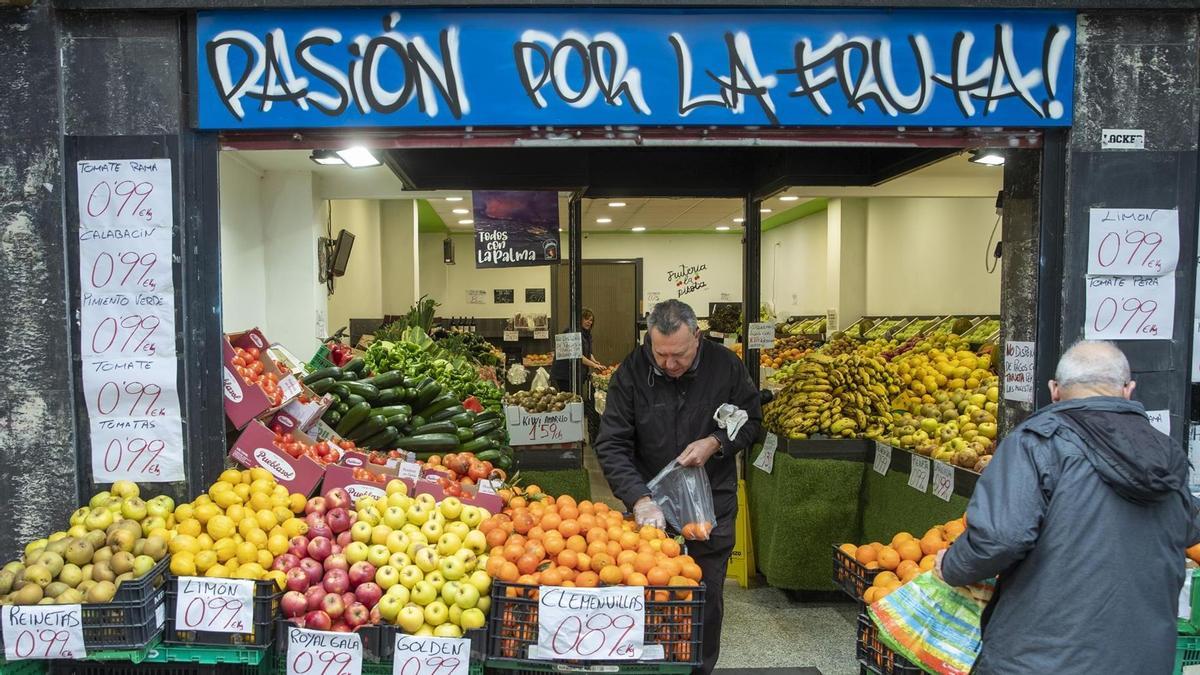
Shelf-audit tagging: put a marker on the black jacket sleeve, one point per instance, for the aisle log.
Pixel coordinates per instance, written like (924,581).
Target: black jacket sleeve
(615,444)
(744,395)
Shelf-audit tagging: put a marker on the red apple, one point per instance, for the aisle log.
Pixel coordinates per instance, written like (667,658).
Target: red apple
(361,572)
(315,505)
(314,595)
(336,581)
(297,580)
(338,519)
(344,539)
(335,548)
(336,561)
(320,528)
(341,627)
(313,569)
(357,615)
(369,593)
(293,603)
(284,562)
(317,620)
(348,598)
(376,615)
(338,498)
(319,548)
(333,606)
(298,546)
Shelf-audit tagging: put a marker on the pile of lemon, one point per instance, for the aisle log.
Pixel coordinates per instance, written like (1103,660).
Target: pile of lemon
(237,528)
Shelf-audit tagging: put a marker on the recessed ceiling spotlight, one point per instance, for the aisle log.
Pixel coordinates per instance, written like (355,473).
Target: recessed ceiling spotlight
(460,212)
(764,210)
(987,157)
(466,221)
(604,221)
(722,228)
(637,229)
(788,198)
(454,199)
(358,157)
(739,220)
(616,205)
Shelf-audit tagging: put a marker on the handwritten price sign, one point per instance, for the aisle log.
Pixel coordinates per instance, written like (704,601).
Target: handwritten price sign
(545,432)
(121,193)
(43,632)
(591,623)
(215,605)
(140,333)
(943,481)
(918,476)
(431,655)
(136,450)
(1130,308)
(312,652)
(883,458)
(1133,241)
(121,266)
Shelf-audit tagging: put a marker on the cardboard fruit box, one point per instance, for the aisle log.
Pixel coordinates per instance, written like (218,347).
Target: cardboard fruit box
(245,402)
(304,416)
(349,475)
(255,447)
(471,494)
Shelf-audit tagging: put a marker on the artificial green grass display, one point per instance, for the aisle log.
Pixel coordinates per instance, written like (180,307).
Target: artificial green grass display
(572,482)
(891,506)
(797,512)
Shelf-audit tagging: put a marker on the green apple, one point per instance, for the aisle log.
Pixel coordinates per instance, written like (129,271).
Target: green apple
(356,551)
(471,516)
(437,579)
(125,488)
(360,531)
(99,499)
(397,542)
(425,630)
(396,487)
(114,504)
(475,542)
(426,558)
(378,555)
(400,501)
(448,544)
(456,615)
(468,596)
(432,529)
(387,576)
(152,523)
(99,519)
(369,515)
(411,619)
(410,575)
(389,608)
(451,508)
(380,534)
(467,557)
(481,581)
(133,508)
(78,531)
(461,530)
(418,513)
(161,506)
(411,529)
(79,515)
(400,593)
(395,518)
(436,613)
(473,618)
(399,560)
(447,630)
(450,592)
(423,593)
(428,500)
(485,604)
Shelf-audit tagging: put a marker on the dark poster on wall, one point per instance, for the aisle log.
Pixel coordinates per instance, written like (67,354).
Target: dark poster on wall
(515,229)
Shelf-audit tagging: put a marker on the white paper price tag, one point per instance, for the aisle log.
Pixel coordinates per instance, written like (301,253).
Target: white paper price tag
(1133,242)
(487,487)
(42,632)
(431,655)
(1130,308)
(760,336)
(568,346)
(409,470)
(315,652)
(918,477)
(541,335)
(511,336)
(766,459)
(215,605)
(883,458)
(1160,420)
(290,387)
(604,624)
(943,481)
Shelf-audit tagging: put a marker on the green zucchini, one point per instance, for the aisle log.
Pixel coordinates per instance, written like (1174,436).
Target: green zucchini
(389,410)
(387,380)
(426,394)
(428,442)
(349,376)
(353,399)
(323,373)
(354,417)
(477,445)
(464,434)
(486,426)
(487,415)
(391,396)
(373,425)
(331,417)
(446,427)
(363,389)
(437,405)
(354,365)
(417,421)
(447,413)
(322,386)
(398,420)
(342,408)
(339,390)
(383,439)
(488,455)
(463,419)
(504,462)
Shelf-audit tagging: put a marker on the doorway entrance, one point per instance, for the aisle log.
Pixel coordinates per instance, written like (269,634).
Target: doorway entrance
(612,289)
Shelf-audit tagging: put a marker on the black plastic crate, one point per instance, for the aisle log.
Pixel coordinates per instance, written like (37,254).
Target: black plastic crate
(850,575)
(132,620)
(266,602)
(876,656)
(379,641)
(674,620)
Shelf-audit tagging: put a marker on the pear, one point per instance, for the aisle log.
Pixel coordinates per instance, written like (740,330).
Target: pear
(31,594)
(60,546)
(102,592)
(141,565)
(80,552)
(14,567)
(121,562)
(96,538)
(102,555)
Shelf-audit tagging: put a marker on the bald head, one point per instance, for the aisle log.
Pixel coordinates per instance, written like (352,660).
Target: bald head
(1091,368)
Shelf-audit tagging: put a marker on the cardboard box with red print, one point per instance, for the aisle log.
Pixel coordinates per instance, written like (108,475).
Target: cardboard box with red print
(430,484)
(304,415)
(256,447)
(253,385)
(362,478)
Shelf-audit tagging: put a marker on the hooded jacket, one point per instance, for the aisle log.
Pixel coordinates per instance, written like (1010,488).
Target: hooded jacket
(650,418)
(1084,514)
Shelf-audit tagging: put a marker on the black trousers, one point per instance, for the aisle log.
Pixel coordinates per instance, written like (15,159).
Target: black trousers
(713,558)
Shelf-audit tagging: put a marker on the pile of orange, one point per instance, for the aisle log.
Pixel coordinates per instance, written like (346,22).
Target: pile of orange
(775,358)
(904,558)
(548,541)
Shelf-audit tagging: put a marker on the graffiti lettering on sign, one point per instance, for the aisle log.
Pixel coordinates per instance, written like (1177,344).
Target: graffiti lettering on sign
(687,279)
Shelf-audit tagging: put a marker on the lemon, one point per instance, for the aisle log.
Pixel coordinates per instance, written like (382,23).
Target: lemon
(220,527)
(279,577)
(190,527)
(204,540)
(206,511)
(277,544)
(242,491)
(247,552)
(205,560)
(183,544)
(236,513)
(184,512)
(259,473)
(282,514)
(183,565)
(396,487)
(294,527)
(216,571)
(258,501)
(265,558)
(257,538)
(226,499)
(297,502)
(281,491)
(226,550)
(230,476)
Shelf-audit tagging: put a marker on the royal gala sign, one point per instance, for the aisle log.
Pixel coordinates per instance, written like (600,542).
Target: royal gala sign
(514,67)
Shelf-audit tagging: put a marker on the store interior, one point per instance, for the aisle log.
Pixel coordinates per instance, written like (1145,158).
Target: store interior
(923,241)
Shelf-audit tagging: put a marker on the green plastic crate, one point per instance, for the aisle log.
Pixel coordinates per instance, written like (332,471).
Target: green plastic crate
(521,667)
(320,359)
(31,667)
(1192,626)
(1187,652)
(206,655)
(130,655)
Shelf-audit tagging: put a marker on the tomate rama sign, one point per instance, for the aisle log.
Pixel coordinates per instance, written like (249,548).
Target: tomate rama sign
(513,67)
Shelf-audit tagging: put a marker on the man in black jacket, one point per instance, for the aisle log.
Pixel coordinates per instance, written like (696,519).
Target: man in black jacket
(661,406)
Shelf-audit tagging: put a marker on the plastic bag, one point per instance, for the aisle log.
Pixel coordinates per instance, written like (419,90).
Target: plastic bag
(932,624)
(541,380)
(684,495)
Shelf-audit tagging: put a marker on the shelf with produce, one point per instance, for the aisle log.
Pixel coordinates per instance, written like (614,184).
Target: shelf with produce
(918,326)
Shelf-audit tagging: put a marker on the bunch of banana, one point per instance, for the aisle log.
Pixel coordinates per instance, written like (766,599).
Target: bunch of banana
(845,396)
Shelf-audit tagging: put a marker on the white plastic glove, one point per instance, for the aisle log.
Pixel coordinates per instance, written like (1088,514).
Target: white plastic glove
(646,512)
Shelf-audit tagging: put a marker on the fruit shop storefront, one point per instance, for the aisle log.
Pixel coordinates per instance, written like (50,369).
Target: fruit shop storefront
(648,102)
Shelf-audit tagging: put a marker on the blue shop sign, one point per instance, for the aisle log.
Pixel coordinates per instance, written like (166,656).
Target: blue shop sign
(522,67)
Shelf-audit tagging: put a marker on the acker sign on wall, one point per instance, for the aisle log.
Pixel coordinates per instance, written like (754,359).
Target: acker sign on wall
(497,67)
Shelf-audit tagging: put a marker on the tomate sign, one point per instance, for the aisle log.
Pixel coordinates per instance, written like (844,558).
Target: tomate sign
(127,320)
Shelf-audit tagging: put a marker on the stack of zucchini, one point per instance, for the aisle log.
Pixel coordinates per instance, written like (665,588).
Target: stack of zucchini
(388,411)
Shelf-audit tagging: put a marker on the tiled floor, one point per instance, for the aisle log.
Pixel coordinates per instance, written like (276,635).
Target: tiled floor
(763,627)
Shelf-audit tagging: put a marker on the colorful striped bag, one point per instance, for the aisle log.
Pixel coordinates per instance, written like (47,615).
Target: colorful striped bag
(932,624)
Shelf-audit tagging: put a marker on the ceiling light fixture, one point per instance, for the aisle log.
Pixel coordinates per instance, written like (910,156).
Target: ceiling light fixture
(739,220)
(637,229)
(722,228)
(460,212)
(466,221)
(764,210)
(604,221)
(358,157)
(987,157)
(326,158)
(789,198)
(454,199)
(616,205)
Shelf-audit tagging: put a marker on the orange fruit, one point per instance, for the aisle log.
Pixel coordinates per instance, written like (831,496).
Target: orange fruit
(523,522)
(600,561)
(927,562)
(551,521)
(865,554)
(597,534)
(1193,552)
(626,558)
(906,567)
(597,547)
(691,571)
(658,576)
(585,562)
(871,595)
(552,577)
(613,548)
(513,551)
(493,567)
(536,532)
(569,527)
(848,549)
(670,547)
(587,580)
(586,522)
(577,543)
(644,563)
(600,508)
(567,558)
(496,537)
(528,564)
(648,533)
(509,572)
(536,550)
(931,543)
(901,537)
(885,579)
(630,540)
(586,507)
(610,575)
(554,544)
(910,550)
(636,579)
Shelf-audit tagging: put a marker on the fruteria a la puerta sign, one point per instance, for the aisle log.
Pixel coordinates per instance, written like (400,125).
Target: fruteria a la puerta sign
(522,67)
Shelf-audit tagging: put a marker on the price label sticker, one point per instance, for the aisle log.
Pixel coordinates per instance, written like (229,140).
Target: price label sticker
(541,335)
(943,481)
(918,477)
(766,459)
(1130,308)
(1160,420)
(315,652)
(431,655)
(603,624)
(883,458)
(511,336)
(487,487)
(43,632)
(1133,241)
(409,470)
(215,605)
(760,336)
(568,346)
(290,387)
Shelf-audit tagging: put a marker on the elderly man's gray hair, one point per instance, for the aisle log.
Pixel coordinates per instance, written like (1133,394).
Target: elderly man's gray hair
(1093,363)
(668,315)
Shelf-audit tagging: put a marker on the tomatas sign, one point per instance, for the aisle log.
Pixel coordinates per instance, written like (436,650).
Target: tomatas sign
(516,67)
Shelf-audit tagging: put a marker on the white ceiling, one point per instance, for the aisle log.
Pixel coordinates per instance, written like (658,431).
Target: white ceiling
(953,177)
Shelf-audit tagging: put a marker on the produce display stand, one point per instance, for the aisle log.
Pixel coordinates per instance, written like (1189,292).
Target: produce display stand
(873,655)
(551,457)
(1187,652)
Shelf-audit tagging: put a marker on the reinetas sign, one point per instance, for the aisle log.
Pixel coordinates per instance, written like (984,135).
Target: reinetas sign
(515,229)
(437,68)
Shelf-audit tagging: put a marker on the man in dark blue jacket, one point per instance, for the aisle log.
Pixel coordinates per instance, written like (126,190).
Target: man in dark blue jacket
(1084,515)
(660,409)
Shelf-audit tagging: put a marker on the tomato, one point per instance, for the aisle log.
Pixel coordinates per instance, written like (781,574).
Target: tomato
(477,471)
(434,460)
(237,361)
(253,352)
(468,481)
(347,445)
(453,491)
